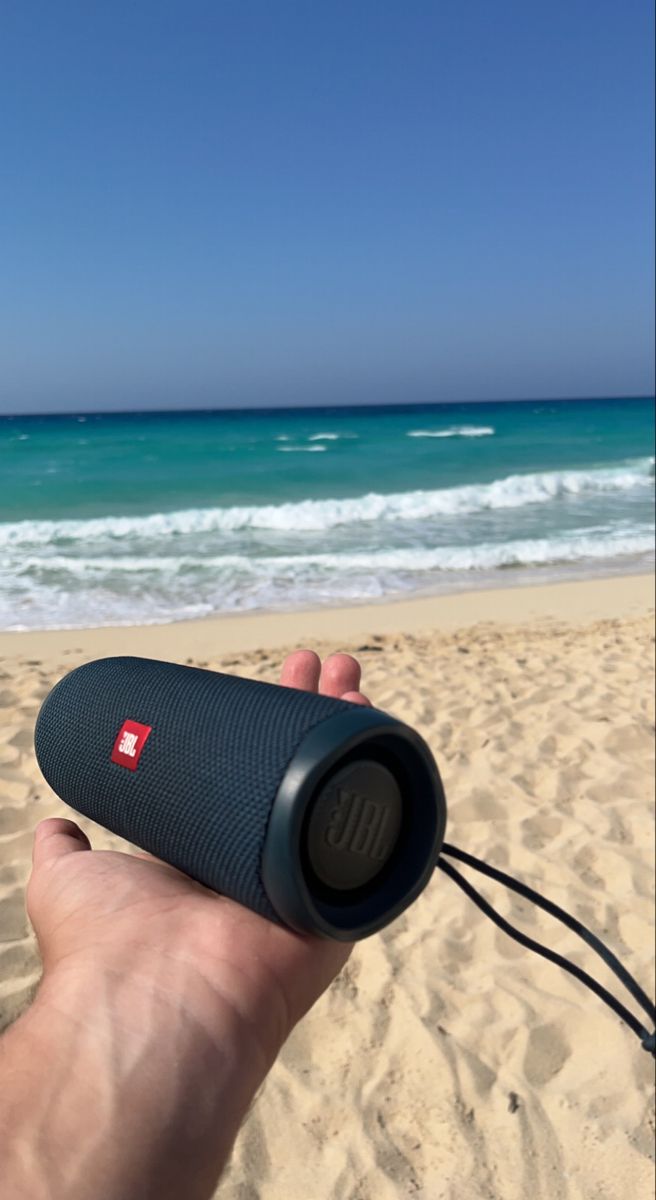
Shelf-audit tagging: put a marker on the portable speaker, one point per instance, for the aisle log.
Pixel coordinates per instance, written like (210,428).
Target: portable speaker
(319,814)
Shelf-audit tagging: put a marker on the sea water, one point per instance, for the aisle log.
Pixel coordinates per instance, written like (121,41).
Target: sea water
(156,517)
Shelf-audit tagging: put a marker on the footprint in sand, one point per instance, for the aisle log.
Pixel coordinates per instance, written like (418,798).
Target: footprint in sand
(480,805)
(12,820)
(14,917)
(546,1054)
(538,831)
(23,740)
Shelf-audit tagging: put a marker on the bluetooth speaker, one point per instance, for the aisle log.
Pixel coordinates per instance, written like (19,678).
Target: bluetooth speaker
(319,814)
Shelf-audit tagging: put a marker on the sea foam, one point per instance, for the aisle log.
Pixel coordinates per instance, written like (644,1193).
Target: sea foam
(512,492)
(576,545)
(68,592)
(454,431)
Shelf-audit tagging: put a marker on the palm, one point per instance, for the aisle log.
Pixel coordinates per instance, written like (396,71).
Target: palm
(116,908)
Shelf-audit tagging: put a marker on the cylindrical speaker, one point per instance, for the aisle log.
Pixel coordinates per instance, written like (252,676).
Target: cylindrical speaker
(322,815)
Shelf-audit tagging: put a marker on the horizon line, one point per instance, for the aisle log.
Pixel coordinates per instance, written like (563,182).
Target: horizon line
(286,408)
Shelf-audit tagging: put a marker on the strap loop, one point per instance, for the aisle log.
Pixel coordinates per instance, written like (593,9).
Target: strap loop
(648,1040)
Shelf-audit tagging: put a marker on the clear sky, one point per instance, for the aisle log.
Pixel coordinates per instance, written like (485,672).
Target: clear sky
(251,202)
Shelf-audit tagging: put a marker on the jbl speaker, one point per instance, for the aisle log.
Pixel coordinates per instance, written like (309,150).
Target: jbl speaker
(319,814)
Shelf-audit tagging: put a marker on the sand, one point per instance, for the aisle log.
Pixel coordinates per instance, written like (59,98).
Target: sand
(446,1062)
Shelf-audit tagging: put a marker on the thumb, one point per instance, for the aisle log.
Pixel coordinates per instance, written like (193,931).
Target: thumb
(56,837)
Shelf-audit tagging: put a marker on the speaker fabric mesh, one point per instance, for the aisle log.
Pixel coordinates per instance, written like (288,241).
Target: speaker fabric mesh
(208,773)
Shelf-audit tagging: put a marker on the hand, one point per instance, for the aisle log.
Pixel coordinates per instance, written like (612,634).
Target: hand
(102,913)
(161,1009)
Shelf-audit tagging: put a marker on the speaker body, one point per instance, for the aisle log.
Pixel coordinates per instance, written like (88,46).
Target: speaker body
(316,813)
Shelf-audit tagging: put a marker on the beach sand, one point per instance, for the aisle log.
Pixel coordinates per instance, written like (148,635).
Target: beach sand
(446,1062)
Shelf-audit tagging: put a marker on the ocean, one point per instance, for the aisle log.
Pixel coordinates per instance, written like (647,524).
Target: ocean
(157,517)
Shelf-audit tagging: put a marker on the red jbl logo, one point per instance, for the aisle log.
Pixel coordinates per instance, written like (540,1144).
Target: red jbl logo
(130,742)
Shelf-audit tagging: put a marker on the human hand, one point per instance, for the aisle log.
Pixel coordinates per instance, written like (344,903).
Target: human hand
(101,914)
(161,1008)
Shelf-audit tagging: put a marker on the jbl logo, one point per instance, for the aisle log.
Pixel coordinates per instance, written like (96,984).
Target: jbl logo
(129,743)
(357,823)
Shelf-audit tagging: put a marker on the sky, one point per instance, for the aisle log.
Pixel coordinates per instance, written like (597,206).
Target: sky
(226,203)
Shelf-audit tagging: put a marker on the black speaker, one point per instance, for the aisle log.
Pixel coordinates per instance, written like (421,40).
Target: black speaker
(322,815)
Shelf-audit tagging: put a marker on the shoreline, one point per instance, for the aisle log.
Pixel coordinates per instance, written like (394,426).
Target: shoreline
(575,602)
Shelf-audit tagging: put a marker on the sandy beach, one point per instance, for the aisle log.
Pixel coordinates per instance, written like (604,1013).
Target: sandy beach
(445,1063)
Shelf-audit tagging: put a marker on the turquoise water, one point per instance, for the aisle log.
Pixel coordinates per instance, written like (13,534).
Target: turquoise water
(155,517)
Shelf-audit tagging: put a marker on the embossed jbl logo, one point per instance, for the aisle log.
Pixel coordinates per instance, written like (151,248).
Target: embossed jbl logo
(358,823)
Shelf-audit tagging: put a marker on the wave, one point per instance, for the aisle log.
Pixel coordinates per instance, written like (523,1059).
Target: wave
(455,431)
(315,437)
(515,491)
(570,547)
(67,593)
(301,449)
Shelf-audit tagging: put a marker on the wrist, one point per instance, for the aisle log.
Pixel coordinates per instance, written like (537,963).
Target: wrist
(126,1078)
(156,997)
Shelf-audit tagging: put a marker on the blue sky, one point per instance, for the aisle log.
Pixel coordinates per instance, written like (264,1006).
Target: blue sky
(252,202)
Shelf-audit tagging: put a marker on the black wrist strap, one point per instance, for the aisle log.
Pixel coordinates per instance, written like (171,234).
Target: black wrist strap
(647,1039)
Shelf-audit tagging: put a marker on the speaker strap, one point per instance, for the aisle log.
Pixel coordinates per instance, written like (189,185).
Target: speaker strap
(647,1039)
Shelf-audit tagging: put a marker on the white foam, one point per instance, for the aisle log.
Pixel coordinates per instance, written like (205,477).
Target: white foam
(515,491)
(122,590)
(454,431)
(576,545)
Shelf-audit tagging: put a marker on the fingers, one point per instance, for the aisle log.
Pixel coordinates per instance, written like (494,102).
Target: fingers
(340,674)
(55,838)
(357,698)
(301,670)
